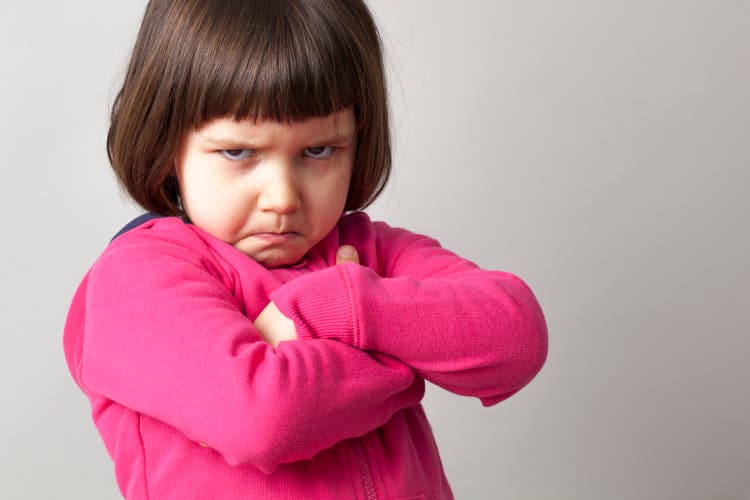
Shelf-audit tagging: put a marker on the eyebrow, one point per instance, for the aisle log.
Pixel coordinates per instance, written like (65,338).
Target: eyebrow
(235,141)
(226,140)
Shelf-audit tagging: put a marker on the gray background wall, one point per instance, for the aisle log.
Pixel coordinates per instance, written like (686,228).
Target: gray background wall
(596,148)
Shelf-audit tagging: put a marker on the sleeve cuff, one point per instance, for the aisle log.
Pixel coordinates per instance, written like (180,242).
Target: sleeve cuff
(321,305)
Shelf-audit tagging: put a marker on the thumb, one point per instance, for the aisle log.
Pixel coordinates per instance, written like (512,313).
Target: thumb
(347,253)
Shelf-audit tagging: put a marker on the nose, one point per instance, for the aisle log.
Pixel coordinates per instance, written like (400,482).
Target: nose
(279,192)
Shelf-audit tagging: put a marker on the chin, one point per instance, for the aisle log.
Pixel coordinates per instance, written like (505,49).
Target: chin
(275,259)
(273,256)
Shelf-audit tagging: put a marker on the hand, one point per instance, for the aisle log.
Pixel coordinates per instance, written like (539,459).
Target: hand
(347,253)
(273,326)
(271,323)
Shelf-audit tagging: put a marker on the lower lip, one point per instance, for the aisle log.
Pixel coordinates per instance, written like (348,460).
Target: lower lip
(276,238)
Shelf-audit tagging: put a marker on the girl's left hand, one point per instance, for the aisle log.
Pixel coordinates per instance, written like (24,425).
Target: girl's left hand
(273,326)
(271,323)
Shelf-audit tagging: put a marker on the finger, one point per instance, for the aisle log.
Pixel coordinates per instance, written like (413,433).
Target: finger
(347,253)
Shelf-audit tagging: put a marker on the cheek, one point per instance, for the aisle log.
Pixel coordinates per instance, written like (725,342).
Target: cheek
(215,205)
(340,188)
(328,198)
(198,194)
(344,174)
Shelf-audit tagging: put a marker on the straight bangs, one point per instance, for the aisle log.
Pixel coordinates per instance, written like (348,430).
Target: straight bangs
(270,61)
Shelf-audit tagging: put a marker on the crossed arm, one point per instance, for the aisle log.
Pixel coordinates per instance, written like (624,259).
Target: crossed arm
(271,323)
(202,367)
(162,336)
(473,332)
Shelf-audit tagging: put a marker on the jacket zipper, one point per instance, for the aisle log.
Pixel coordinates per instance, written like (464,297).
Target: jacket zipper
(364,470)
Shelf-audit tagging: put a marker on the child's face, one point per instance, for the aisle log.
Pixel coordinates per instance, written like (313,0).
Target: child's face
(272,190)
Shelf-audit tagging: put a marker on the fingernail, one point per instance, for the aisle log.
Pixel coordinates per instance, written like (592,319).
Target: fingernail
(346,252)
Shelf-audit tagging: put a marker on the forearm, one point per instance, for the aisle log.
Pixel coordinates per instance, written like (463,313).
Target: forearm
(256,405)
(181,351)
(482,334)
(474,332)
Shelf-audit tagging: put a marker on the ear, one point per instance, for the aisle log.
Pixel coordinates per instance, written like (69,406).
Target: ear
(171,191)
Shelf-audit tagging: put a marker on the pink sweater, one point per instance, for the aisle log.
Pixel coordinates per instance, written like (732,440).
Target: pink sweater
(192,403)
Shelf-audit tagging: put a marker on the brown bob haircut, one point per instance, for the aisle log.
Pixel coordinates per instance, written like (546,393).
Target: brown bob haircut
(259,60)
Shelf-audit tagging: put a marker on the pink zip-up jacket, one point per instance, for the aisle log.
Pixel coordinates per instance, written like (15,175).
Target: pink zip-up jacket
(192,403)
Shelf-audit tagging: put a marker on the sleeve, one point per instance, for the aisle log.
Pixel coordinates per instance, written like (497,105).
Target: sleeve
(165,337)
(473,332)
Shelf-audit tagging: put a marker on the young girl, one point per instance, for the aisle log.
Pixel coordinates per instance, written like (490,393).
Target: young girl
(255,336)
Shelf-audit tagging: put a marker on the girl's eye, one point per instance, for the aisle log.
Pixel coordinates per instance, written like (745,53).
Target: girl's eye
(237,154)
(320,152)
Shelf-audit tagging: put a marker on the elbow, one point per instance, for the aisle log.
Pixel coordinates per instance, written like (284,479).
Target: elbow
(258,458)
(521,347)
(259,449)
(534,354)
(531,340)
(260,439)
(520,361)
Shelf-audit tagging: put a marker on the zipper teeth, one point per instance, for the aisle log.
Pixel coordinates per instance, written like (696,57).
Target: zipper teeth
(364,469)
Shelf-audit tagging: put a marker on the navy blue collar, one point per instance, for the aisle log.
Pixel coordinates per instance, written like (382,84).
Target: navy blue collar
(141,219)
